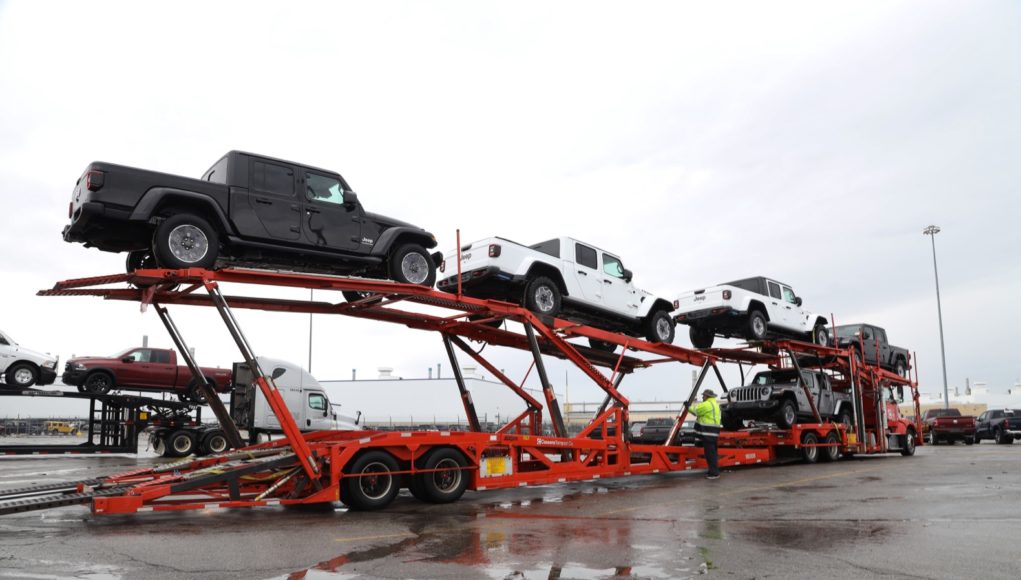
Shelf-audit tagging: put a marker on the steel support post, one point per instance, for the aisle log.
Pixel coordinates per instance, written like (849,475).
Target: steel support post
(691,399)
(269,389)
(230,430)
(551,398)
(608,399)
(466,396)
(804,387)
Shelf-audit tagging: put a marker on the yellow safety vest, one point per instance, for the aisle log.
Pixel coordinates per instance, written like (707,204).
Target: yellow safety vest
(707,413)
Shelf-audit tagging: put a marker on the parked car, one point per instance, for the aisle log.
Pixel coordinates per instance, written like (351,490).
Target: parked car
(1000,425)
(246,209)
(143,369)
(23,367)
(753,308)
(873,338)
(948,425)
(562,277)
(654,431)
(777,396)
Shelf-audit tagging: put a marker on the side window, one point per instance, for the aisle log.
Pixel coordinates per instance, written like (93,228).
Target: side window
(272,178)
(586,256)
(3,340)
(316,402)
(788,295)
(881,335)
(140,355)
(774,290)
(161,357)
(217,173)
(612,266)
(982,417)
(866,333)
(996,415)
(322,188)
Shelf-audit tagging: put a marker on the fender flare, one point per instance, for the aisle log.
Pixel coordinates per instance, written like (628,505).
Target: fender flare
(387,239)
(153,199)
(757,305)
(547,270)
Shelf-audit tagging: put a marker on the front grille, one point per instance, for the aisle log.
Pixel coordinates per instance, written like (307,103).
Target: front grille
(744,395)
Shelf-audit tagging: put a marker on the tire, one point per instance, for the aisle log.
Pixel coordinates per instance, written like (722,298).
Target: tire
(659,327)
(969,440)
(186,241)
(820,336)
(22,375)
(845,417)
(601,345)
(757,327)
(98,383)
(411,264)
(909,444)
(931,439)
(138,260)
(371,484)
(809,454)
(181,443)
(701,337)
(542,296)
(159,445)
(787,414)
(194,394)
(732,423)
(448,485)
(900,368)
(355,295)
(214,443)
(415,487)
(830,454)
(1000,437)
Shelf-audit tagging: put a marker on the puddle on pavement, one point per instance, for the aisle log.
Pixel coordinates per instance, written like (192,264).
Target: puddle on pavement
(802,535)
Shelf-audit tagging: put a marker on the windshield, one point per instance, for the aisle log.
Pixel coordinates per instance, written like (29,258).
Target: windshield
(848,331)
(773,378)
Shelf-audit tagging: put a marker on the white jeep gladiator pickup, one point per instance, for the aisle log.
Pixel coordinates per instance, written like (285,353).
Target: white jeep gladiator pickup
(561,277)
(754,308)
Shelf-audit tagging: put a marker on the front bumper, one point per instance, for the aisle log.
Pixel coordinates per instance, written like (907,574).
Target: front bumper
(751,409)
(46,376)
(73,378)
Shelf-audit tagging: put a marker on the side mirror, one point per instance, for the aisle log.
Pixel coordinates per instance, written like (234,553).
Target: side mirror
(797,300)
(326,413)
(350,198)
(628,274)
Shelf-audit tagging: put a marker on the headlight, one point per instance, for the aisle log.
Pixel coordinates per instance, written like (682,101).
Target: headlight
(77,366)
(765,392)
(50,364)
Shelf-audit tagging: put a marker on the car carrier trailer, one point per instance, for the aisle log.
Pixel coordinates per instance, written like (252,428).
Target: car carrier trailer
(366,469)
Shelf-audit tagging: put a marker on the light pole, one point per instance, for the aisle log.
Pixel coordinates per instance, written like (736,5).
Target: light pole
(931,231)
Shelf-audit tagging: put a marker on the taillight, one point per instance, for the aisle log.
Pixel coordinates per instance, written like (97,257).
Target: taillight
(726,294)
(443,266)
(1006,423)
(494,250)
(94,180)
(70,209)
(677,304)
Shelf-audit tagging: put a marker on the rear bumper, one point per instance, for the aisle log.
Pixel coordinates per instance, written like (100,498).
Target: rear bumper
(716,316)
(490,279)
(107,228)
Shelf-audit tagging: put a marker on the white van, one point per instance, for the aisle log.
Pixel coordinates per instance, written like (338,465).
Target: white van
(22,367)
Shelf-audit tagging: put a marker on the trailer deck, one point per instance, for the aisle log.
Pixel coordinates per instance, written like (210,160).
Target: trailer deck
(365,470)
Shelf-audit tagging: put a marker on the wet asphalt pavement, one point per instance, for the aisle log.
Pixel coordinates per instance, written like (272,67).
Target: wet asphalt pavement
(948,512)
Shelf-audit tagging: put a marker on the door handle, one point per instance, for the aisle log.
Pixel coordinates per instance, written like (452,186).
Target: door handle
(583,273)
(308,422)
(311,211)
(294,207)
(605,281)
(262,201)
(295,229)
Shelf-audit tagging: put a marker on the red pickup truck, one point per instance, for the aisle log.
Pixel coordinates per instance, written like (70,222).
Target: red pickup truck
(143,369)
(948,425)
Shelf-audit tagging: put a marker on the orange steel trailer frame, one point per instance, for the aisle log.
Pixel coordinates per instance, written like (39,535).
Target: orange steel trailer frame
(366,469)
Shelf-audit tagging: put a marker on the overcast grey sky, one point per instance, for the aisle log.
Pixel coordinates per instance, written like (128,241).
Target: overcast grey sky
(702,142)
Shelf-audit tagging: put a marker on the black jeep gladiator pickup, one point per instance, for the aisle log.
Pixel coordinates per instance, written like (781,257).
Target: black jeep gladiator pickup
(869,342)
(246,210)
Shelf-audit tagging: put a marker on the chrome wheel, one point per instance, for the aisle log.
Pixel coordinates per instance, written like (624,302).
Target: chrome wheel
(415,268)
(790,415)
(663,329)
(759,327)
(188,243)
(544,298)
(24,376)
